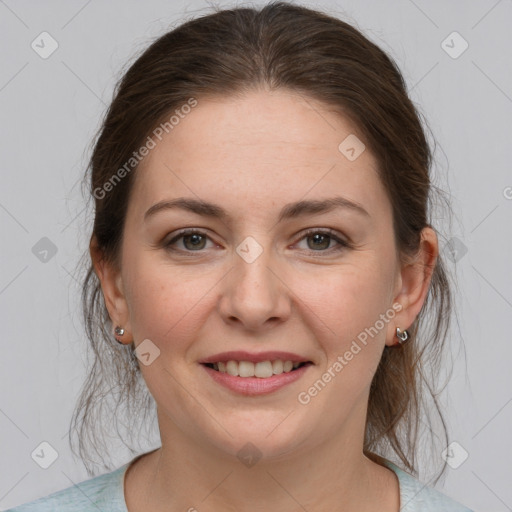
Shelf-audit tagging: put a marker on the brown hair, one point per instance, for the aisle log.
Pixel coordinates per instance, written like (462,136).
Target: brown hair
(226,53)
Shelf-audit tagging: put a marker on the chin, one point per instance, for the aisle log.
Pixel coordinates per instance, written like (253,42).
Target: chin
(262,436)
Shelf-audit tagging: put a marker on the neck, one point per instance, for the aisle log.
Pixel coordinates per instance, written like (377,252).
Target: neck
(186,475)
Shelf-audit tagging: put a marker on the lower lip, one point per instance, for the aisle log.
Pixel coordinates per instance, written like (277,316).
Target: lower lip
(253,386)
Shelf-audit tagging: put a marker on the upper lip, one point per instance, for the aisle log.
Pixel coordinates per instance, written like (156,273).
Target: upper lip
(240,355)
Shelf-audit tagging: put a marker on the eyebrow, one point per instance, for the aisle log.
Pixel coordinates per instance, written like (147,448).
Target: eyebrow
(289,211)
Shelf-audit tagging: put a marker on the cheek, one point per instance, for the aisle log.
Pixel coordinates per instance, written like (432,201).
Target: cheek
(344,316)
(345,301)
(164,301)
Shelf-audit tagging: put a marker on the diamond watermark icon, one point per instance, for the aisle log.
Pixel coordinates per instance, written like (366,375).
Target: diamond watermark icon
(44,455)
(454,455)
(454,249)
(44,250)
(147,352)
(351,147)
(249,250)
(454,45)
(44,45)
(249,455)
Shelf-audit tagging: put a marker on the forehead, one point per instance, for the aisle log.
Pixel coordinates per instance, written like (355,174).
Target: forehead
(259,150)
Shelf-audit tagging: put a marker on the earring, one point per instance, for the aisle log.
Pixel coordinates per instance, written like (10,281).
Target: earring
(402,336)
(119,331)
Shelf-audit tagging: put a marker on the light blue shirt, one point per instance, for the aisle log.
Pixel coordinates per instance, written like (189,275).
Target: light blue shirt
(106,493)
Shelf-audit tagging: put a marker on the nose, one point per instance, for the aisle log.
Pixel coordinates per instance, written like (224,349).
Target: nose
(254,294)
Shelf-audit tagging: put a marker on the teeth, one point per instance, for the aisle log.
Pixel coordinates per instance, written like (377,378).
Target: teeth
(232,368)
(263,369)
(277,367)
(245,369)
(287,366)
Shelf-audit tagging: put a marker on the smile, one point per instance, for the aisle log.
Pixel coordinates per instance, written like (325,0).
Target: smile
(251,385)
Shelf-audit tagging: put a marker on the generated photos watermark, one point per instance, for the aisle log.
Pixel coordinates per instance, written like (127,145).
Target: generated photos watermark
(305,397)
(143,151)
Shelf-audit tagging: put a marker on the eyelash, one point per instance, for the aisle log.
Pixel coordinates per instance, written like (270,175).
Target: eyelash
(342,244)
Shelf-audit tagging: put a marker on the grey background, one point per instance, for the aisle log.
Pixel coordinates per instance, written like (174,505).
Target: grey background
(50,110)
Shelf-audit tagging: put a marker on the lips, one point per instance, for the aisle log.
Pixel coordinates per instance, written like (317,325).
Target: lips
(255,373)
(253,385)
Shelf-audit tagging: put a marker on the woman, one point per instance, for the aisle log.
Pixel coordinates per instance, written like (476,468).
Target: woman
(261,252)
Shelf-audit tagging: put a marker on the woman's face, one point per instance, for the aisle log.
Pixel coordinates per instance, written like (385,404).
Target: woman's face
(260,181)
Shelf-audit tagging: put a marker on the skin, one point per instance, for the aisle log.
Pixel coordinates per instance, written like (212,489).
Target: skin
(251,155)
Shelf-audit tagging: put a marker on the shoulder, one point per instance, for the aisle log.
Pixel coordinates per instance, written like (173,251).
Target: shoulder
(104,492)
(418,497)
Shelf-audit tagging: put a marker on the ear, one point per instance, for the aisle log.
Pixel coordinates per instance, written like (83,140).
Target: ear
(413,283)
(112,287)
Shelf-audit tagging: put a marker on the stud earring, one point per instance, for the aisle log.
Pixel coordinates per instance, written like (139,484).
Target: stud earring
(402,336)
(119,331)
